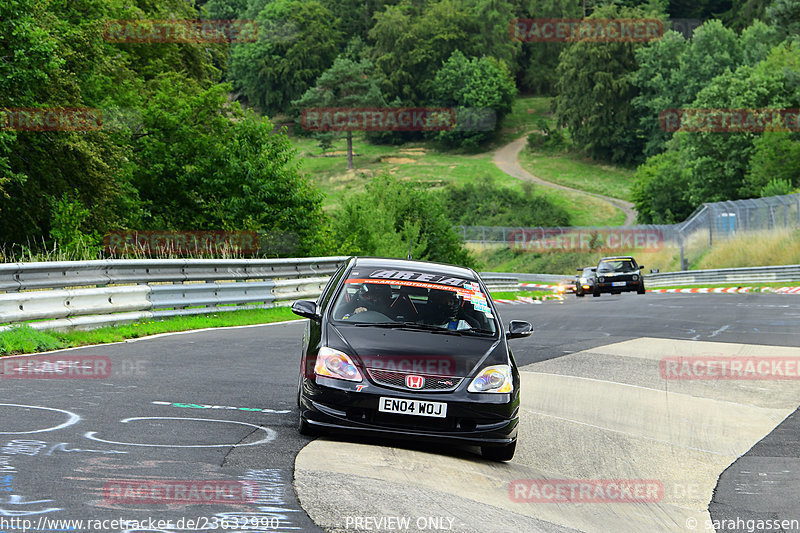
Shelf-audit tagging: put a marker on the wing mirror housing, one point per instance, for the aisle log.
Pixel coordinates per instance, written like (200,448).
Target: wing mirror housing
(306,309)
(518,329)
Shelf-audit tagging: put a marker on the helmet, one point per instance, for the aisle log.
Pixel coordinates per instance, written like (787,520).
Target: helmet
(447,303)
(376,292)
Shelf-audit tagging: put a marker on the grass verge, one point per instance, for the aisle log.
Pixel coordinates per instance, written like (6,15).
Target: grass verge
(24,339)
(572,170)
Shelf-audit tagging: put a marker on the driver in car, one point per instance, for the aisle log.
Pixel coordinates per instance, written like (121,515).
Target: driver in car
(443,309)
(372,297)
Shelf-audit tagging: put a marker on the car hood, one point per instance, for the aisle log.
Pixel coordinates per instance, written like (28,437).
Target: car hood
(418,352)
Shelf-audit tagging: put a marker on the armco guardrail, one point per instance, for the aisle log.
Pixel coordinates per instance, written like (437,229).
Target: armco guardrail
(85,294)
(767,274)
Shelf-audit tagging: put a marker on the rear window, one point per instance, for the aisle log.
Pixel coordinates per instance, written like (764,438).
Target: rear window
(374,295)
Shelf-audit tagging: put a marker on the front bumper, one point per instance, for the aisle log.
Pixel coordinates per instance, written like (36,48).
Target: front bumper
(474,419)
(608,285)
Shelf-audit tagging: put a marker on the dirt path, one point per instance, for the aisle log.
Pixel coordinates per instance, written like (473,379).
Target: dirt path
(506,160)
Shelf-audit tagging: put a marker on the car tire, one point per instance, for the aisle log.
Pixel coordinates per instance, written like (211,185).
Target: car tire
(640,290)
(304,428)
(579,294)
(499,453)
(299,389)
(596,294)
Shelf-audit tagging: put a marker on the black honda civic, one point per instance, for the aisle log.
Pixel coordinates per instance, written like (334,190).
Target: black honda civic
(413,350)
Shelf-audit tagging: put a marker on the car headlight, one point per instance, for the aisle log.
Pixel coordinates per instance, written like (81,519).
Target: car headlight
(635,277)
(495,378)
(601,279)
(335,364)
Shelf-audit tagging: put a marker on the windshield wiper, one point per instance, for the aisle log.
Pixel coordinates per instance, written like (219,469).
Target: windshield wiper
(428,327)
(476,331)
(407,325)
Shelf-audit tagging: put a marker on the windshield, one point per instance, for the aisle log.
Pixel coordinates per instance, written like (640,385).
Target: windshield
(617,265)
(418,300)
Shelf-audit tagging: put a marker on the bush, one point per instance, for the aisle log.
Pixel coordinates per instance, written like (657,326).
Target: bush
(392,217)
(487,204)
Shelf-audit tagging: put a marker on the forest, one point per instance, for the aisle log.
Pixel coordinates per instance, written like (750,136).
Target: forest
(196,133)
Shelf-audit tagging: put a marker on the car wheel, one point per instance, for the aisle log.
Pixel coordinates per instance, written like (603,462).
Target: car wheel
(499,453)
(579,294)
(596,294)
(640,290)
(305,428)
(299,389)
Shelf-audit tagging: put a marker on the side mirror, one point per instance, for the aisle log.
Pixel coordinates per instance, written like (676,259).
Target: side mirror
(641,267)
(580,270)
(518,329)
(654,271)
(305,308)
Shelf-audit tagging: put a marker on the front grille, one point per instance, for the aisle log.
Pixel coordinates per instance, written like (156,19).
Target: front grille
(397,380)
(618,277)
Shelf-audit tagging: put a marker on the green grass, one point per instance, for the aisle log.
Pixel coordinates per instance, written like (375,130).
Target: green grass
(572,170)
(24,339)
(427,163)
(522,119)
(513,295)
(584,210)
(422,163)
(419,162)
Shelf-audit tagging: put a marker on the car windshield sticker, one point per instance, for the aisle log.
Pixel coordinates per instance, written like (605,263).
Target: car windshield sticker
(417,276)
(470,292)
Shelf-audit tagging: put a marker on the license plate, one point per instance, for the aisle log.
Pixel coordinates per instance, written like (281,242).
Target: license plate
(618,284)
(412,407)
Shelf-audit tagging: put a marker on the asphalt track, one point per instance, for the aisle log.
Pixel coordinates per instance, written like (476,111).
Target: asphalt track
(219,406)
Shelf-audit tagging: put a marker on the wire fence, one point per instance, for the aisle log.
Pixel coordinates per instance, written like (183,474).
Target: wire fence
(722,220)
(719,220)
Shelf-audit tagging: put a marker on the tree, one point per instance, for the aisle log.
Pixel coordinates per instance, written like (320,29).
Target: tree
(410,41)
(391,214)
(345,84)
(479,89)
(713,50)
(660,190)
(715,174)
(594,94)
(672,71)
(204,164)
(784,15)
(538,61)
(283,63)
(776,156)
(659,87)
